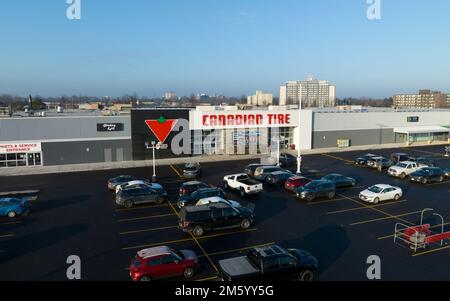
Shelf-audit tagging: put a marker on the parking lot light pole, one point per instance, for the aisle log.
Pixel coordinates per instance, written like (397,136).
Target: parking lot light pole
(153,147)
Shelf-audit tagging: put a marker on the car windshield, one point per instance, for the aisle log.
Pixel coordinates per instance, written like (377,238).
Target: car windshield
(253,259)
(311,185)
(375,189)
(402,165)
(178,253)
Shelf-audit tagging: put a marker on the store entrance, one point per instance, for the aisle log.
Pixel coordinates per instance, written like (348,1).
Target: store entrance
(20,159)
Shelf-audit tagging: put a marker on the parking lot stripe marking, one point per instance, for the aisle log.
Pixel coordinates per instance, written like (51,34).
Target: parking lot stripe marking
(238,250)
(377,210)
(331,201)
(208,279)
(384,218)
(337,158)
(392,235)
(11,223)
(196,241)
(144,218)
(174,168)
(7,236)
(186,239)
(147,230)
(142,207)
(363,208)
(434,184)
(430,251)
(425,152)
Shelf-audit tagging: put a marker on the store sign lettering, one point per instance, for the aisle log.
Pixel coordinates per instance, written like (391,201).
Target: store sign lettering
(246,120)
(20,148)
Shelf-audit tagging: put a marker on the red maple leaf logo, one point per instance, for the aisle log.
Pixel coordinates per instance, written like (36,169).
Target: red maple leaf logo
(161,127)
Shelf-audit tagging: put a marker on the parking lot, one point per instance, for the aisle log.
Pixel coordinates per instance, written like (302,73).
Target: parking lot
(75,214)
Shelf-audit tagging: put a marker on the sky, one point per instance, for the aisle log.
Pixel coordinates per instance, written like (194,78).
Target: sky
(230,47)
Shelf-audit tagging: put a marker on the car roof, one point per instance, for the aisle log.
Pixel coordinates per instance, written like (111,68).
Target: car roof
(206,207)
(408,162)
(238,175)
(321,181)
(208,189)
(333,175)
(136,182)
(399,154)
(268,251)
(8,200)
(153,252)
(192,183)
(378,157)
(213,199)
(383,186)
(280,172)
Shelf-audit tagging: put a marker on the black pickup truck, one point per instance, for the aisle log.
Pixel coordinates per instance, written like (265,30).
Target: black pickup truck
(270,263)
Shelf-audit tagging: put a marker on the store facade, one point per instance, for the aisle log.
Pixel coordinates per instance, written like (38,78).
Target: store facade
(16,154)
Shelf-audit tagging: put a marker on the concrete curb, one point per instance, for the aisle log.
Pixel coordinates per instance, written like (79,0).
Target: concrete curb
(25,171)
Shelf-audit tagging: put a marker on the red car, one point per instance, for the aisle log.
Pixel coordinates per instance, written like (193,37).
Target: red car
(163,262)
(295,182)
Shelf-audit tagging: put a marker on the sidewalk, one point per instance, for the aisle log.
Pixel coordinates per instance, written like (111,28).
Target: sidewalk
(24,171)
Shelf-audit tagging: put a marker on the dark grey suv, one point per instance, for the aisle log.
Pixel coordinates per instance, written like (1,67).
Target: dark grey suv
(130,197)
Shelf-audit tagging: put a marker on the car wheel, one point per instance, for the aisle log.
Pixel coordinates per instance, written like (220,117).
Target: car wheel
(128,204)
(396,197)
(424,181)
(380,169)
(441,179)
(188,273)
(245,224)
(403,175)
(198,231)
(331,195)
(376,200)
(12,214)
(145,278)
(310,198)
(225,184)
(307,275)
(159,201)
(242,192)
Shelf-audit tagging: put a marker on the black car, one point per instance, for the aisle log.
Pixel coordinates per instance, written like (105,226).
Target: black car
(271,263)
(130,197)
(363,159)
(192,170)
(190,187)
(287,160)
(340,181)
(112,183)
(400,157)
(251,168)
(447,172)
(427,175)
(202,193)
(278,178)
(214,216)
(379,163)
(316,189)
(425,162)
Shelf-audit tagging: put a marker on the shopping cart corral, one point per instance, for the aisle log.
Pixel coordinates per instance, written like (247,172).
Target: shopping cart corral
(421,236)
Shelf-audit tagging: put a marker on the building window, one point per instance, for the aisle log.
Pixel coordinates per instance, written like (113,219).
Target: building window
(413,119)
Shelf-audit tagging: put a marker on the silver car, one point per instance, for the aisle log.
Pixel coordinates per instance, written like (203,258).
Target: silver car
(192,170)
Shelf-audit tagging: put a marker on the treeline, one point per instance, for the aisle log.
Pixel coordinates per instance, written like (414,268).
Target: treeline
(366,102)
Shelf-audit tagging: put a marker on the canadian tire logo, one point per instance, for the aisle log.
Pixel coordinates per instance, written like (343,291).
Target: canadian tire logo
(161,127)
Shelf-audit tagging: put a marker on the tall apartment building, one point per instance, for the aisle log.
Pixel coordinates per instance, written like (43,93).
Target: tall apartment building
(260,99)
(426,99)
(310,92)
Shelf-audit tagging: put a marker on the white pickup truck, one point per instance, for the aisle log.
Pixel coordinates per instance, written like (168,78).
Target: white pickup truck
(243,184)
(404,169)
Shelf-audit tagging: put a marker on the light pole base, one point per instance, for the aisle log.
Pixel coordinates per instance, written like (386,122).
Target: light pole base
(153,178)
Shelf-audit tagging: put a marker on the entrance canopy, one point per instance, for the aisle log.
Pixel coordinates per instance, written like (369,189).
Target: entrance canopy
(421,130)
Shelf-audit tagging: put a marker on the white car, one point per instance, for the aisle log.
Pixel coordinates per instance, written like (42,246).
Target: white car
(138,184)
(404,169)
(381,192)
(216,199)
